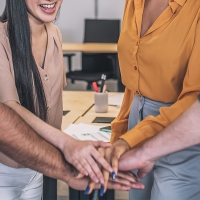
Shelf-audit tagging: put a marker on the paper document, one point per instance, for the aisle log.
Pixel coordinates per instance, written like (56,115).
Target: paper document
(116,100)
(87,132)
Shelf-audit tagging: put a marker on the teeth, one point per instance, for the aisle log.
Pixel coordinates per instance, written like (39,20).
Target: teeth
(48,6)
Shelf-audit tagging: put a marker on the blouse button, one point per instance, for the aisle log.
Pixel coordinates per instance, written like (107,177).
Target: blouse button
(46,78)
(135,68)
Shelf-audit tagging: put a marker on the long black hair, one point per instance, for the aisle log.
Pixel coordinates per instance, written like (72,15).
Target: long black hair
(27,78)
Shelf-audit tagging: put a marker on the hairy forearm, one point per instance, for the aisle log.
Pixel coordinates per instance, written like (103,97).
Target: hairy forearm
(182,133)
(22,144)
(47,132)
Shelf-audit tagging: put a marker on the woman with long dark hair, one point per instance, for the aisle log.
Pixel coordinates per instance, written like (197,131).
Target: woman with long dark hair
(31,82)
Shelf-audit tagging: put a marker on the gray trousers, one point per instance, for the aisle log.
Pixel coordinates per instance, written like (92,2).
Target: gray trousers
(175,176)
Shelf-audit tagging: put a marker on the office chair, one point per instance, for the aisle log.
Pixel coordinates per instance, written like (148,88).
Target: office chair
(96,64)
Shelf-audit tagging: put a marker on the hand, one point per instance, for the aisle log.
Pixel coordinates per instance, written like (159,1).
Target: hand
(84,156)
(120,184)
(123,181)
(112,155)
(133,160)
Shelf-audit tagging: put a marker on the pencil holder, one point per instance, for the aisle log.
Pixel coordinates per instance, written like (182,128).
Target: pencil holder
(101,102)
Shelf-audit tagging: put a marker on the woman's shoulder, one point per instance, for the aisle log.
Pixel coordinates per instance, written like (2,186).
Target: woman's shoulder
(3,31)
(54,30)
(4,41)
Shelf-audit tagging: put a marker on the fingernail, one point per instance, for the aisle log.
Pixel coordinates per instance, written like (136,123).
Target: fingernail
(87,190)
(113,176)
(101,191)
(96,181)
(75,175)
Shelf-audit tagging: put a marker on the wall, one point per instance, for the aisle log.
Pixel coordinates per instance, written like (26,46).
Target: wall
(2,4)
(73,13)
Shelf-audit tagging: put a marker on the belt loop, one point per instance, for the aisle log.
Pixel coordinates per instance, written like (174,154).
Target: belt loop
(141,105)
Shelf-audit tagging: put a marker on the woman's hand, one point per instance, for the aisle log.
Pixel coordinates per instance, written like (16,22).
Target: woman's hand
(126,179)
(123,181)
(112,155)
(84,156)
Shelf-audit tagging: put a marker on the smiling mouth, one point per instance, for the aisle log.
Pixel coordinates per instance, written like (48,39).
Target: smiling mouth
(48,6)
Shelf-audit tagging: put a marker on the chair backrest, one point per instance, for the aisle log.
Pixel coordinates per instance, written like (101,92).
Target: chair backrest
(99,31)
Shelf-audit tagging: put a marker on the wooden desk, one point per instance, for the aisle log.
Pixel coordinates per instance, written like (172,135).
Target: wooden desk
(112,112)
(97,48)
(80,104)
(70,118)
(91,115)
(77,103)
(78,100)
(82,110)
(90,47)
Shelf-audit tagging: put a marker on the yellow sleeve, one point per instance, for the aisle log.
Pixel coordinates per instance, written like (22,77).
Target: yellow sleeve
(120,124)
(150,126)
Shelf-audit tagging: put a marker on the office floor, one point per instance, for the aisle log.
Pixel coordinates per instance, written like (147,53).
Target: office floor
(63,193)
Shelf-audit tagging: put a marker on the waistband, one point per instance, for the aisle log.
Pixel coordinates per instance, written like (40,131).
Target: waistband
(144,100)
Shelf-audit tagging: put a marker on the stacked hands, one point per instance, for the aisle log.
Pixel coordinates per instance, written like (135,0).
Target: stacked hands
(105,166)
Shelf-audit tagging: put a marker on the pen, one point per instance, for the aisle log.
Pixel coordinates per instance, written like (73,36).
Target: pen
(95,87)
(104,88)
(103,78)
(95,195)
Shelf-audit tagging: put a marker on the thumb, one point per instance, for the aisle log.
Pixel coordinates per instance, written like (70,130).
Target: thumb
(143,171)
(141,174)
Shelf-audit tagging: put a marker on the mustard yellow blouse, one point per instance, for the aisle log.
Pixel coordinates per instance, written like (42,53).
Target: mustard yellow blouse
(163,65)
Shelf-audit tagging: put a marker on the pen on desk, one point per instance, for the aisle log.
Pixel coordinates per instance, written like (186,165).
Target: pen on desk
(103,78)
(104,88)
(95,87)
